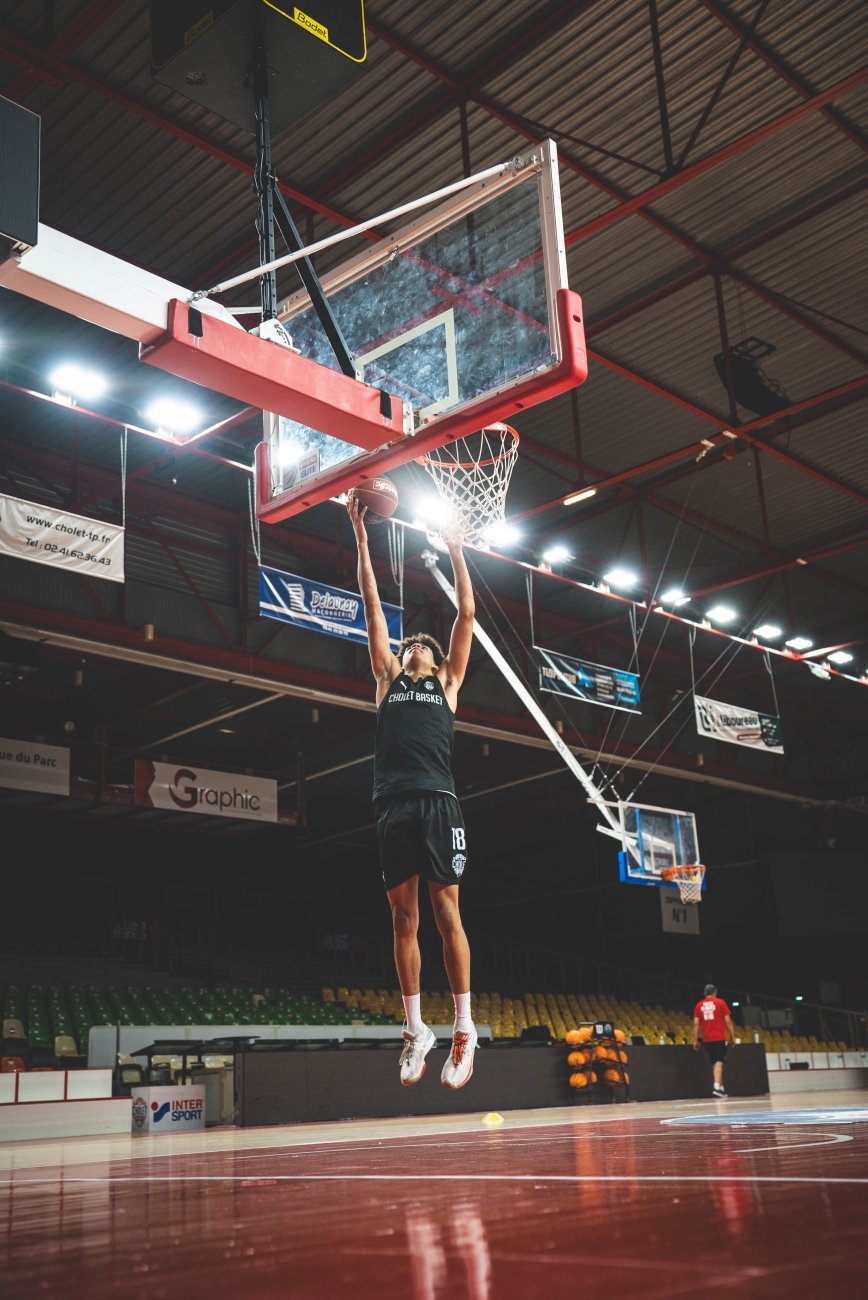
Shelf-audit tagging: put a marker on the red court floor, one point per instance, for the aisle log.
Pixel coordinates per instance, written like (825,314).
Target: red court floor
(756,1197)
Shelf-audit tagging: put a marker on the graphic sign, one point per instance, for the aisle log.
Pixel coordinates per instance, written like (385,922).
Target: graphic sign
(577,680)
(43,769)
(738,726)
(201,790)
(169,1109)
(65,541)
(320,608)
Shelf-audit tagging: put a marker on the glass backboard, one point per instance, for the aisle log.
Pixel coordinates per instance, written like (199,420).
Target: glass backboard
(456,308)
(654,839)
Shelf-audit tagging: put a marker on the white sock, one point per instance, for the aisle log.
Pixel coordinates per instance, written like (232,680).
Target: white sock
(463,1023)
(412,1005)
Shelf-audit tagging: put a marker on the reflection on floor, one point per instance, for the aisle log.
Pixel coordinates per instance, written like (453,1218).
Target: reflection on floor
(646,1201)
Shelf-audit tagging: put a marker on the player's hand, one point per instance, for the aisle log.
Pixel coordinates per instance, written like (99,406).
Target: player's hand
(453,537)
(696,1047)
(357,512)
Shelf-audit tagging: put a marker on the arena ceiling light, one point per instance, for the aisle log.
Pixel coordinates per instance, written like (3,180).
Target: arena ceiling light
(70,380)
(674,596)
(799,643)
(721,614)
(173,416)
(556,555)
(620,578)
(767,631)
(584,495)
(502,534)
(840,657)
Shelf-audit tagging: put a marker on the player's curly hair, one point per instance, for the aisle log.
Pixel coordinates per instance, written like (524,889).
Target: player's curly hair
(422,638)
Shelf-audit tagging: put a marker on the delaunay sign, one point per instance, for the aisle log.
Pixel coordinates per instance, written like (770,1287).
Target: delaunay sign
(201,790)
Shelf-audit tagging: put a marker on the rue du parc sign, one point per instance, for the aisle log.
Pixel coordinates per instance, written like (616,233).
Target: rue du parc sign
(200,790)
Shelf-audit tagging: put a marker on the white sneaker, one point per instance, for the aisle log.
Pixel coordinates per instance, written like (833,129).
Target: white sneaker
(718,1092)
(416,1048)
(459,1063)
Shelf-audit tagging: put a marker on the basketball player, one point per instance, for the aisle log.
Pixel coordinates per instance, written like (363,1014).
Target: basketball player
(715,1019)
(420,828)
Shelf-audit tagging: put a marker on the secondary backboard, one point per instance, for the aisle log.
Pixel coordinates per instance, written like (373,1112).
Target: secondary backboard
(653,841)
(463,315)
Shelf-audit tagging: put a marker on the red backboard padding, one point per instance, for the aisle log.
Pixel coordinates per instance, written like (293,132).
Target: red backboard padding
(572,371)
(263,374)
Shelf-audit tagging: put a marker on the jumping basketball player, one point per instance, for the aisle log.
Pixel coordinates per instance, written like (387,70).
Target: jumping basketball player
(420,828)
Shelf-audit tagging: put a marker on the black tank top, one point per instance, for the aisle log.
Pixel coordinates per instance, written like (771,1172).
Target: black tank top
(415,735)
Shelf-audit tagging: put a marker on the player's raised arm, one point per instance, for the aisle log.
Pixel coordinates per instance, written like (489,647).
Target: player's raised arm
(383,661)
(455,664)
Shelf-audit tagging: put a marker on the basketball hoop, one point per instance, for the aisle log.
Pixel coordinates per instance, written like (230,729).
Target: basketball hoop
(472,475)
(689,880)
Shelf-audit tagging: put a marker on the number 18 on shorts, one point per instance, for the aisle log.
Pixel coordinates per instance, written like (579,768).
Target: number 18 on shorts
(422,835)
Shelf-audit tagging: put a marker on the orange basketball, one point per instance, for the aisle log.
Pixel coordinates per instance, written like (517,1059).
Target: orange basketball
(581,1080)
(584,1033)
(380,496)
(573,1036)
(613,1077)
(622,1057)
(578,1058)
(620,1036)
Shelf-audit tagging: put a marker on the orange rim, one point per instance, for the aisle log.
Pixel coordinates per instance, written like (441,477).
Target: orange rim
(688,869)
(497,427)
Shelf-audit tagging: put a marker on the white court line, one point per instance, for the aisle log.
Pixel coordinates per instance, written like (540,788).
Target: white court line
(791,1146)
(439,1178)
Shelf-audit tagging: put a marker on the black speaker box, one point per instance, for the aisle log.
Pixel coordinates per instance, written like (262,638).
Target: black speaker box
(19,173)
(203,49)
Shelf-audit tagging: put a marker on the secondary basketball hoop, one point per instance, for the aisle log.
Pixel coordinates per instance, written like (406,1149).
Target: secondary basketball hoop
(689,879)
(472,477)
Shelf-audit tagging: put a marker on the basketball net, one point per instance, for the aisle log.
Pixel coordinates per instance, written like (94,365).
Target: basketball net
(472,475)
(689,880)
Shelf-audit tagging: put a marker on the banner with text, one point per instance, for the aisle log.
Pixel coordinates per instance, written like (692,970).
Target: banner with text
(216,794)
(320,608)
(66,541)
(577,680)
(738,726)
(44,769)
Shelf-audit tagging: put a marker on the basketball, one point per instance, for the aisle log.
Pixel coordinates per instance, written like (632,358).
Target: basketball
(613,1078)
(380,497)
(620,1036)
(578,1058)
(581,1080)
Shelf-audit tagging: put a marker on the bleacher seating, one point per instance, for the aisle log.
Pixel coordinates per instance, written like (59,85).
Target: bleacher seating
(59,1018)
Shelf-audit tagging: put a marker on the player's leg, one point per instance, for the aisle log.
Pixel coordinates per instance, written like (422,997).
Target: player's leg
(718,1074)
(418,1038)
(456,957)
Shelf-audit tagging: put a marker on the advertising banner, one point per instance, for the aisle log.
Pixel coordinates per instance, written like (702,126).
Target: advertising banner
(43,769)
(216,794)
(577,680)
(320,608)
(169,1110)
(738,726)
(65,541)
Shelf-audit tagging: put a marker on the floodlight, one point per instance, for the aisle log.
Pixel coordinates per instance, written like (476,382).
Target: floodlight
(620,578)
(767,631)
(584,495)
(674,596)
(840,657)
(721,614)
(177,417)
(555,554)
(799,643)
(799,997)
(501,534)
(432,512)
(70,380)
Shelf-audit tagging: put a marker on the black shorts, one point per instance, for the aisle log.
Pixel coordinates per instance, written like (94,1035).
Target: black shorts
(421,834)
(716,1050)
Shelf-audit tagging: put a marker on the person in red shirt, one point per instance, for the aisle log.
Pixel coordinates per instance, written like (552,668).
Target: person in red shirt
(715,1019)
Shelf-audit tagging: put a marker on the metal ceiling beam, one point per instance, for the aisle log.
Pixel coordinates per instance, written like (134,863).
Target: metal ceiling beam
(834,546)
(712,160)
(88,637)
(723,262)
(62,68)
(763,51)
(73,35)
(21,54)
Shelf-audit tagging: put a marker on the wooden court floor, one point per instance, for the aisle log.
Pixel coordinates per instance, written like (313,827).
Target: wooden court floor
(755,1198)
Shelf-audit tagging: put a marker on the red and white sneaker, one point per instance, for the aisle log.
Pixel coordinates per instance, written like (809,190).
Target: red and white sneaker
(416,1048)
(459,1062)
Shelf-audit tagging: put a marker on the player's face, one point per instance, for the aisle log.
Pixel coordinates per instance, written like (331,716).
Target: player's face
(418,658)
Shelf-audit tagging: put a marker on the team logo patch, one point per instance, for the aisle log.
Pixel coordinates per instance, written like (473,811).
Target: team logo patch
(429,686)
(459,861)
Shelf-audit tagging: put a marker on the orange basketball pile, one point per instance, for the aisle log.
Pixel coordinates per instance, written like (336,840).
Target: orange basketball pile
(605,1053)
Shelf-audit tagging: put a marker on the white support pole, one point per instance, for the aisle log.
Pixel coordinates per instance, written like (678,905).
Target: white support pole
(594,794)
